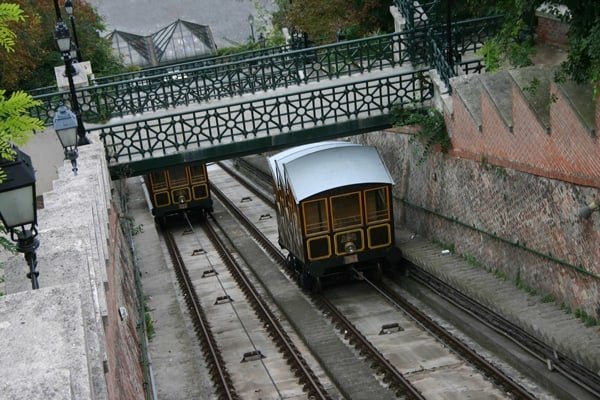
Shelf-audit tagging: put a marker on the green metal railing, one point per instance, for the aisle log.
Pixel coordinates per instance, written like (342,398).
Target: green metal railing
(417,14)
(188,65)
(248,126)
(173,87)
(102,102)
(465,36)
(43,90)
(171,68)
(470,35)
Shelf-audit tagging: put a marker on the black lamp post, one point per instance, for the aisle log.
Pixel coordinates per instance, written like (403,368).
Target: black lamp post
(69,10)
(18,208)
(65,124)
(63,41)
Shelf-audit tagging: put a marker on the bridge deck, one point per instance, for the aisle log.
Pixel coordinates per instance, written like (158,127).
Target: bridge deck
(256,122)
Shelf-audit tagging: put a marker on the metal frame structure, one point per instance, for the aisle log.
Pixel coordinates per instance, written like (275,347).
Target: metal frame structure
(448,42)
(177,86)
(158,47)
(188,65)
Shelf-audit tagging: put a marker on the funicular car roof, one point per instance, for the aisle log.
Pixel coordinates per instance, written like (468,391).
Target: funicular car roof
(318,167)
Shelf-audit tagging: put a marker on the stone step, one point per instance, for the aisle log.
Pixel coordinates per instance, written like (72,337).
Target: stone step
(534,83)
(468,89)
(581,97)
(498,87)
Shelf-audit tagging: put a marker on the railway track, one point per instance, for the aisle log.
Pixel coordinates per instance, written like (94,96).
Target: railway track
(583,378)
(223,382)
(401,386)
(216,365)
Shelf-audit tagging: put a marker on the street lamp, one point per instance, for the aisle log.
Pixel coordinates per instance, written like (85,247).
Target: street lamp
(63,41)
(65,126)
(251,22)
(69,10)
(18,208)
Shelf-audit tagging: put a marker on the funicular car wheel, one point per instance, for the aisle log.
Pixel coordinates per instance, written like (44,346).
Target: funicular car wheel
(318,285)
(305,280)
(376,274)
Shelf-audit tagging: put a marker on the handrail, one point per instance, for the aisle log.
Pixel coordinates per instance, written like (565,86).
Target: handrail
(101,102)
(176,86)
(190,64)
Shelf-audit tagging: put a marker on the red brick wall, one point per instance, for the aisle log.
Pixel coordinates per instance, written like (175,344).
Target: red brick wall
(503,218)
(568,151)
(597,131)
(124,377)
(551,30)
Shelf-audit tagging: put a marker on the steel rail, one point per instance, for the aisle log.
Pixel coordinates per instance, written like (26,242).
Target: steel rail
(572,370)
(213,357)
(499,377)
(304,373)
(403,386)
(496,375)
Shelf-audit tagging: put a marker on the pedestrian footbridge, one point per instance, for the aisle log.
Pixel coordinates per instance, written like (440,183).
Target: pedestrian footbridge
(254,102)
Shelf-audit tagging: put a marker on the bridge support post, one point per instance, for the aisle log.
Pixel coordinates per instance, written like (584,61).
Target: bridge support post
(442,99)
(399,25)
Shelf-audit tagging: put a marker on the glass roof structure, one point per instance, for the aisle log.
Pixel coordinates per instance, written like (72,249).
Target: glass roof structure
(178,41)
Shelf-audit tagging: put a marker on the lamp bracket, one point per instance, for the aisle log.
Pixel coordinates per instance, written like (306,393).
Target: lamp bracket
(26,239)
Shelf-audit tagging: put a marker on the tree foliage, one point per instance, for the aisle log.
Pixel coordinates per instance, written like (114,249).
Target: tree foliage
(15,123)
(31,64)
(8,13)
(513,46)
(323,21)
(583,63)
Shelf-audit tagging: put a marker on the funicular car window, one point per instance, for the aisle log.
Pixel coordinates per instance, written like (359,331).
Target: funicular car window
(178,176)
(315,216)
(197,173)
(158,180)
(376,204)
(345,210)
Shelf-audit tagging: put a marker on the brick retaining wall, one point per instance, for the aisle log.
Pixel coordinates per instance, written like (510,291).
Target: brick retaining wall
(551,29)
(566,150)
(523,226)
(125,379)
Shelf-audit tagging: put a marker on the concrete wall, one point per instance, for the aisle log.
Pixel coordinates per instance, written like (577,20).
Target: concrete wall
(67,340)
(521,225)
